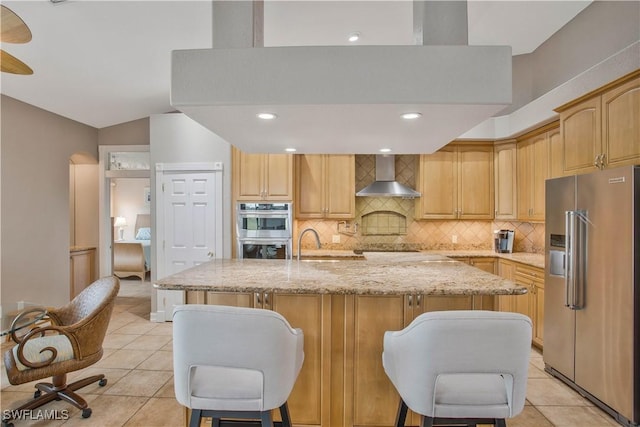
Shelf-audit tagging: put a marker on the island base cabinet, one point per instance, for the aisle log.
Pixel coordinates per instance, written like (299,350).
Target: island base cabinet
(342,382)
(371,398)
(310,397)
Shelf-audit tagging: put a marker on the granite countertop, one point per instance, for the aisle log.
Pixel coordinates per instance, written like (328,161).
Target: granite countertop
(389,273)
(534,260)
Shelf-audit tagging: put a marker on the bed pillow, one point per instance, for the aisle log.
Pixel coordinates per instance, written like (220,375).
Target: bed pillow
(144,233)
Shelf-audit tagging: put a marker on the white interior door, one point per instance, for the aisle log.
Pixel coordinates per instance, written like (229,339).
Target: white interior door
(189,219)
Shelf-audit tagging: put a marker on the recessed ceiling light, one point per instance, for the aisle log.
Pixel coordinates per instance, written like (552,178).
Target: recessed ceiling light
(385,150)
(410,116)
(354,37)
(290,150)
(267,116)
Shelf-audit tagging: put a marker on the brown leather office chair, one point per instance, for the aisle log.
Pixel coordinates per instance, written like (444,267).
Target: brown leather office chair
(71,341)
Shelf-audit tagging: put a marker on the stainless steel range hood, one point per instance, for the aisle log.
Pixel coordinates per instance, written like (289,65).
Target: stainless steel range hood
(385,184)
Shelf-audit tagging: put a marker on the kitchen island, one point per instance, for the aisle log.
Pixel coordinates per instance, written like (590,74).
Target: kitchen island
(344,304)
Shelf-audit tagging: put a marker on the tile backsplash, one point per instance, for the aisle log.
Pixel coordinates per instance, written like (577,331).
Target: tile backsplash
(427,235)
(388,222)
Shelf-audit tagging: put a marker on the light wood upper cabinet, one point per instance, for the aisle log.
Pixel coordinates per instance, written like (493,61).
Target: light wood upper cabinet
(259,177)
(580,132)
(555,154)
(533,170)
(505,163)
(621,125)
(325,186)
(456,182)
(603,129)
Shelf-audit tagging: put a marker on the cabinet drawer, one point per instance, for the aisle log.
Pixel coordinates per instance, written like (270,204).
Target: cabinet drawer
(527,273)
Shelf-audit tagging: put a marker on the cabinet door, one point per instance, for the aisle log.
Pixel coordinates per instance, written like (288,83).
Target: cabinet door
(581,136)
(278,184)
(309,399)
(438,183)
(533,164)
(234,299)
(538,330)
(309,201)
(505,181)
(374,398)
(340,179)
(555,154)
(81,270)
(248,175)
(484,302)
(475,182)
(506,270)
(621,124)
(524,179)
(539,169)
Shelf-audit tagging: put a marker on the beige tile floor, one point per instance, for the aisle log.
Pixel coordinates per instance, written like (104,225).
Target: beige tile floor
(138,365)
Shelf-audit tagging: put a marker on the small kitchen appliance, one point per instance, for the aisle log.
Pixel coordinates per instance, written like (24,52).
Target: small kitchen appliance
(503,241)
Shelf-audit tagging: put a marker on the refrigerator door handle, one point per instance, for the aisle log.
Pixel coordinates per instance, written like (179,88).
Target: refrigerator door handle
(570,252)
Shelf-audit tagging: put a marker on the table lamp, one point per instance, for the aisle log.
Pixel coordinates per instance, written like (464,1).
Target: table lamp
(120,222)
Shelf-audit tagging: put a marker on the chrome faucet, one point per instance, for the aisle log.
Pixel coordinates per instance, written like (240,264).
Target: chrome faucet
(302,234)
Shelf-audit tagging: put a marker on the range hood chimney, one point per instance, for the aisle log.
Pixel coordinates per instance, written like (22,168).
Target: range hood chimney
(385,184)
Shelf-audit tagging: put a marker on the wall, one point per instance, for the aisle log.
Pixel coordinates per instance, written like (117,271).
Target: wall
(128,201)
(135,132)
(415,234)
(175,138)
(36,148)
(601,30)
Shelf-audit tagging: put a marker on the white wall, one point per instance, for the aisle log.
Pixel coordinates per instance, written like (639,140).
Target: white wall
(128,201)
(175,138)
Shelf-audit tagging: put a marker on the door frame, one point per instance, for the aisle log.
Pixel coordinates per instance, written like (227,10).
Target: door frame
(104,196)
(186,168)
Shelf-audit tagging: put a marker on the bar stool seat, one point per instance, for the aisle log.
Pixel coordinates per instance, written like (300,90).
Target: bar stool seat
(460,367)
(234,362)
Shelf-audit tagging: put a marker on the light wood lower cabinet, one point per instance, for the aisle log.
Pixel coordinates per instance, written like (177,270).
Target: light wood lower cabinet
(530,304)
(81,270)
(309,402)
(488,264)
(342,382)
(371,398)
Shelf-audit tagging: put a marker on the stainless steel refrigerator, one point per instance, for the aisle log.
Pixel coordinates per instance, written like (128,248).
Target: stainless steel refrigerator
(592,289)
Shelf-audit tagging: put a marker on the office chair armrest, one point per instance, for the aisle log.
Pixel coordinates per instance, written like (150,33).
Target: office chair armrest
(33,335)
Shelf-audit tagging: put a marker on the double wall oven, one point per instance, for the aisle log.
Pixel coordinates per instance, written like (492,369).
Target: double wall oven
(264,230)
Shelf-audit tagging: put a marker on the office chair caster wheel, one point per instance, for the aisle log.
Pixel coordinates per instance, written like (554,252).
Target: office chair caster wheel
(37,394)
(102,382)
(86,413)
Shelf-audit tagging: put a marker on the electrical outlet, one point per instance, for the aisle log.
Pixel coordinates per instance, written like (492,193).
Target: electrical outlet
(454,238)
(335,238)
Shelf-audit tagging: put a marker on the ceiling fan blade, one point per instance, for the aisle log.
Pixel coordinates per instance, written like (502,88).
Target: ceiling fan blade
(14,30)
(11,64)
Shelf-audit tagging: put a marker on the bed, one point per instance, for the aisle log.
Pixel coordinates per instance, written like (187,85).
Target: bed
(131,257)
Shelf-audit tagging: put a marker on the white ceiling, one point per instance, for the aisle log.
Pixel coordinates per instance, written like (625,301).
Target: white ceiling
(103,63)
